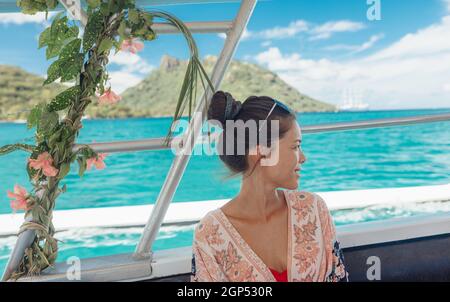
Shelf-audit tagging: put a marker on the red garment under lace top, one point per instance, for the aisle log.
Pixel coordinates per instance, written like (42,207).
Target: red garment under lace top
(280,277)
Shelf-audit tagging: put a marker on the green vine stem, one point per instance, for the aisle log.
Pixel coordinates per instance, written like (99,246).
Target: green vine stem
(83,60)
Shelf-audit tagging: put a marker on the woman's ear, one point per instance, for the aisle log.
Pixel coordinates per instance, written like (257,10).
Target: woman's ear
(269,156)
(263,151)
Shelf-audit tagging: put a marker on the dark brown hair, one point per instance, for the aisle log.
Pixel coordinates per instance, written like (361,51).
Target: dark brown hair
(254,108)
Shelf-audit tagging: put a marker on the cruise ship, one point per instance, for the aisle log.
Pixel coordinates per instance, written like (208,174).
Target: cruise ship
(410,248)
(353,102)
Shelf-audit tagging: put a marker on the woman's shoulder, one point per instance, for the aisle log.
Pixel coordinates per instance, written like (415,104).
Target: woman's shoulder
(305,203)
(208,221)
(208,231)
(305,198)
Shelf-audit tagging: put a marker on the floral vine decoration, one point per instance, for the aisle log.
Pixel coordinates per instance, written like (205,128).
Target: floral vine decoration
(80,58)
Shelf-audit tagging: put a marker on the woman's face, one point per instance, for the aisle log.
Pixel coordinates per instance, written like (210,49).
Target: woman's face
(285,173)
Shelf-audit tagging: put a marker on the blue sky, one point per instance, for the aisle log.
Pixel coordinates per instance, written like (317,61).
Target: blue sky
(324,48)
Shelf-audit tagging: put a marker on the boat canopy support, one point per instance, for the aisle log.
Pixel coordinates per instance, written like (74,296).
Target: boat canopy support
(151,229)
(234,31)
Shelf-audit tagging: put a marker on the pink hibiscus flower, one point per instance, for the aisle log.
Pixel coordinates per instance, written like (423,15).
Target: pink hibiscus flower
(109,97)
(44,162)
(97,161)
(133,45)
(18,198)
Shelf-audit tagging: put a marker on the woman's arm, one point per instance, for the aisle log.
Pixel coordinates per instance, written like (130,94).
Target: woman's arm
(204,265)
(335,257)
(199,272)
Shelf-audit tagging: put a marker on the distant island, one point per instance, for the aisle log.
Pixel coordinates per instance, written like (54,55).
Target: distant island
(156,95)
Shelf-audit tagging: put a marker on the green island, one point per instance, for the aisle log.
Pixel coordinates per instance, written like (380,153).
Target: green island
(156,94)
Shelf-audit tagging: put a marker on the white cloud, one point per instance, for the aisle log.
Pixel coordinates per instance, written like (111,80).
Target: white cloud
(316,32)
(279,32)
(413,72)
(130,62)
(325,31)
(431,40)
(373,39)
(20,19)
(132,69)
(446,87)
(357,48)
(121,80)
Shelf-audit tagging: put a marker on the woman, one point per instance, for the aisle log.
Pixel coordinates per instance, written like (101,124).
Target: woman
(265,234)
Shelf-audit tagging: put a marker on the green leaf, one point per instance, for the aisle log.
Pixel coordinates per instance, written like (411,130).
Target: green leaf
(130,3)
(70,50)
(72,67)
(31,172)
(93,28)
(148,18)
(55,41)
(140,32)
(117,45)
(93,3)
(53,72)
(72,32)
(60,33)
(149,35)
(48,122)
(64,170)
(52,140)
(91,71)
(113,7)
(59,147)
(34,116)
(44,37)
(104,9)
(10,148)
(51,4)
(133,16)
(52,50)
(59,23)
(31,6)
(105,45)
(63,100)
(82,165)
(122,29)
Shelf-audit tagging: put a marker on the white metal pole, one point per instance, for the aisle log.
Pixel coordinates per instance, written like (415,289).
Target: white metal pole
(143,249)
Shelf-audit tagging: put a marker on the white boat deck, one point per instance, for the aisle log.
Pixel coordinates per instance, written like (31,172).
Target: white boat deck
(191,212)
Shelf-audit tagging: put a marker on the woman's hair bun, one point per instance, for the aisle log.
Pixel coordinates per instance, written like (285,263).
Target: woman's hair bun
(223,107)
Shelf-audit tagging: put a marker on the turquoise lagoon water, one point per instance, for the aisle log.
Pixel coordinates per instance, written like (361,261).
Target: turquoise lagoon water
(362,159)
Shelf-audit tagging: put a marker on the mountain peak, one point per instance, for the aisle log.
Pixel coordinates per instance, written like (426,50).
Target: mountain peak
(168,63)
(209,59)
(158,93)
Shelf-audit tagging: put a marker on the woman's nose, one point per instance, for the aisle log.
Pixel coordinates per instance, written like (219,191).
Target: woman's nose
(302,157)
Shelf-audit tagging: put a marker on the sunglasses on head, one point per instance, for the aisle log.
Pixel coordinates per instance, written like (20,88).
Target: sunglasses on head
(276,102)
